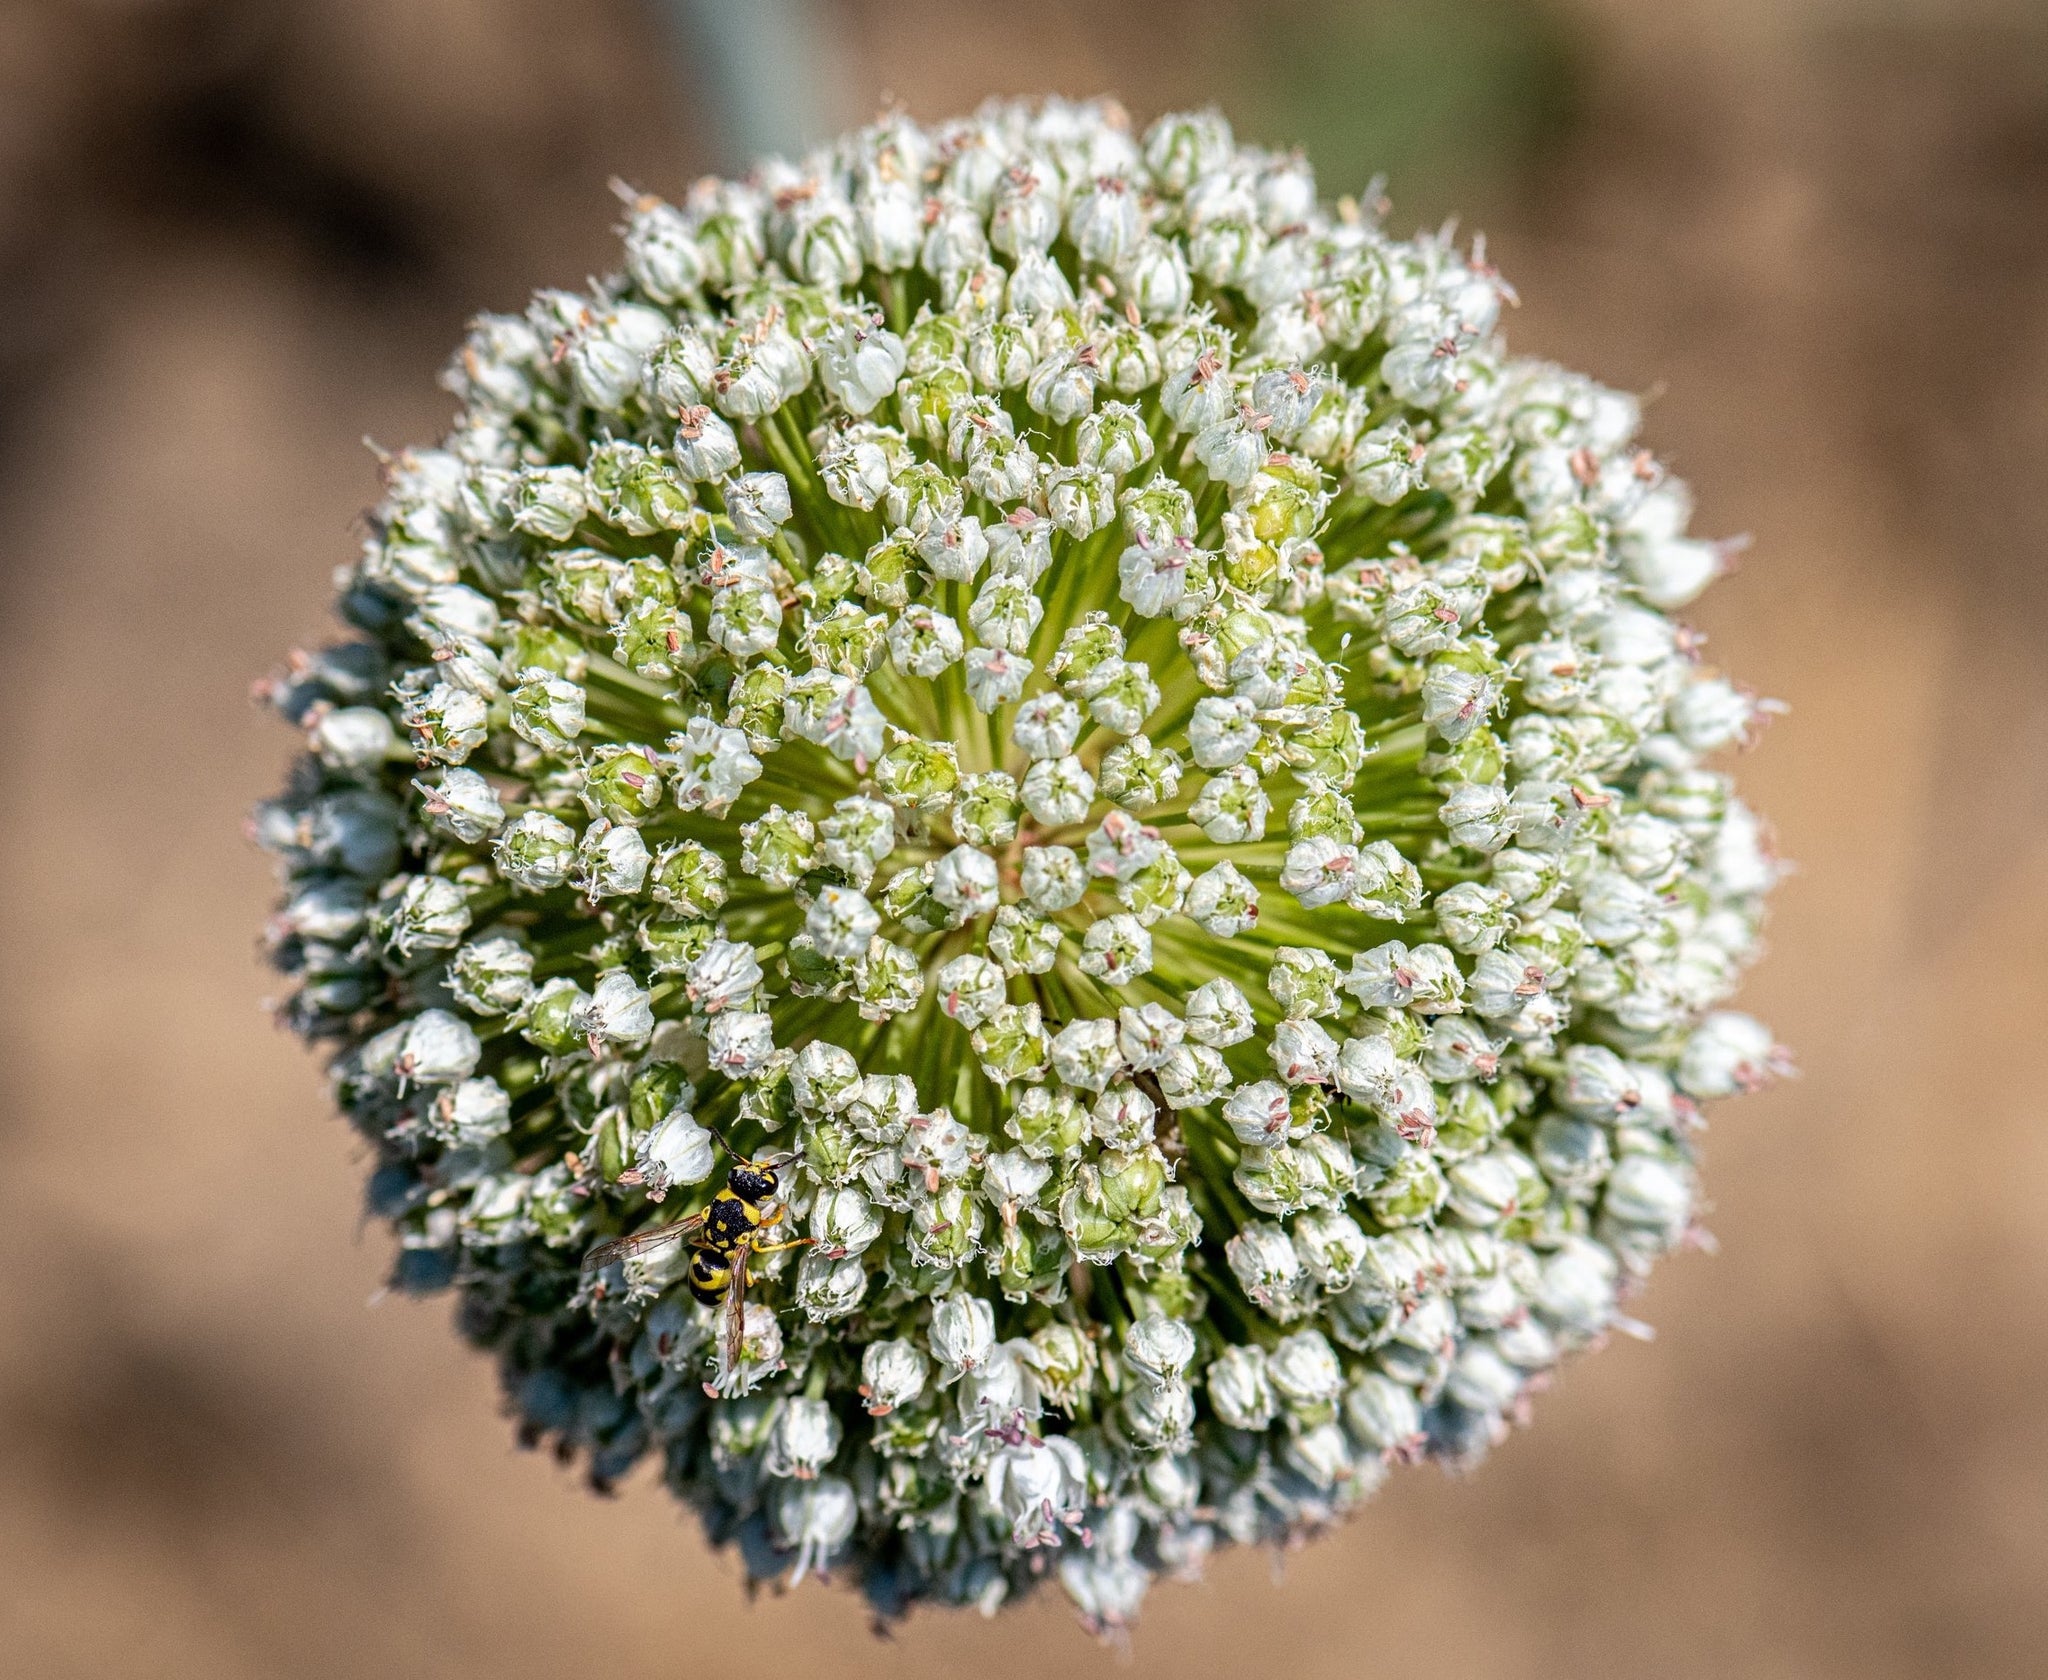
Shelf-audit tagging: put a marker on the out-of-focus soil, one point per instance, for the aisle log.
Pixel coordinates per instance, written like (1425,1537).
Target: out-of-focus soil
(234,241)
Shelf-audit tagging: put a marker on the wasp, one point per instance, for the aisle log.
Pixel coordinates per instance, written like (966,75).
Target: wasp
(725,1239)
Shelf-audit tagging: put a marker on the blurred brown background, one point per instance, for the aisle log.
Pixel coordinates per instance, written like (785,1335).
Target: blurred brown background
(236,237)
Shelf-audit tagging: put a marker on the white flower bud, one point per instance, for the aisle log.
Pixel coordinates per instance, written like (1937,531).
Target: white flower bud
(1058,791)
(1193,1076)
(618,1011)
(1476,813)
(473,1112)
(705,448)
(1159,1349)
(660,254)
(1047,726)
(492,977)
(840,922)
(1368,1069)
(891,223)
(1649,1190)
(1085,1053)
(1598,1084)
(332,912)
(1024,940)
(1232,807)
(1121,847)
(1155,278)
(614,860)
(1458,1049)
(1320,871)
(1005,613)
(1160,1418)
(965,882)
(760,1354)
(824,1077)
(677,1151)
(970,989)
(437,1049)
(725,975)
(1233,449)
(1304,1054)
(1473,918)
(420,913)
(463,804)
(1576,1291)
(1670,572)
(1021,546)
(1147,1035)
(605,360)
(1106,1589)
(536,852)
(995,677)
(758,505)
(739,1043)
(1265,1265)
(1221,731)
(1198,397)
(1259,1114)
(1713,713)
(1121,695)
(802,1439)
(1052,877)
(1122,1118)
(1382,1414)
(714,765)
(830,1289)
(962,1335)
(1224,901)
(1117,949)
(855,468)
(1320,1454)
(893,1374)
(1013,1179)
(1241,1388)
(1154,579)
(1728,1053)
(1104,223)
(1573,1154)
(1305,1372)
(954,549)
(1384,883)
(923,642)
(1332,1248)
(353,740)
(1218,1014)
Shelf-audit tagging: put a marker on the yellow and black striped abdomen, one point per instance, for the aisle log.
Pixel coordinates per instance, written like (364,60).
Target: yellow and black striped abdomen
(710,1272)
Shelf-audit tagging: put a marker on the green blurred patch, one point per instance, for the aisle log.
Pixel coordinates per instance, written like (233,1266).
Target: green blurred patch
(1454,101)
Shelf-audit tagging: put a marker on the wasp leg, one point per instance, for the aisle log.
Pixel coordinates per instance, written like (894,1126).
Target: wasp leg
(753,1253)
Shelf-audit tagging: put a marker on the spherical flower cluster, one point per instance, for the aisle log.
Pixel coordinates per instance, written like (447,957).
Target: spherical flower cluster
(1069,701)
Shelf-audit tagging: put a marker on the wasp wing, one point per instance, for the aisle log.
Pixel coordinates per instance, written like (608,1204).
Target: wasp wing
(735,1325)
(621,1248)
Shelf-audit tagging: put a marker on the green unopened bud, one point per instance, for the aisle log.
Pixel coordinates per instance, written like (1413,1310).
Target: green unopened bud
(537,852)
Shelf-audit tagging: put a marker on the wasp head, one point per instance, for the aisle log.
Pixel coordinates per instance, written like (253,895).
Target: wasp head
(751,1181)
